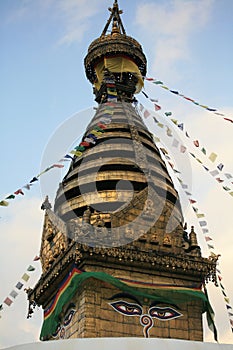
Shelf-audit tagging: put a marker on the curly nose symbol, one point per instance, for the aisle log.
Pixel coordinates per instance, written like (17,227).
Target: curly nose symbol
(147,322)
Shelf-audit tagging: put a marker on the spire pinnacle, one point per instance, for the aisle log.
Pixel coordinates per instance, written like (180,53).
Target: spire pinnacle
(117,25)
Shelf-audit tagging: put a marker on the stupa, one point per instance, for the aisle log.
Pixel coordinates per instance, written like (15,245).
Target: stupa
(117,259)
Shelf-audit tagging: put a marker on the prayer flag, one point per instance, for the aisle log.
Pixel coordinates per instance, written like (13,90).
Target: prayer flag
(188,193)
(187,135)
(19,285)
(36,258)
(141,107)
(33,179)
(213,157)
(68,156)
(25,277)
(8,301)
(155,120)
(174,121)
(211,109)
(11,196)
(195,209)
(210,246)
(226,188)
(196,143)
(227,300)
(189,99)
(19,192)
(200,216)
(169,132)
(228,307)
(219,180)
(229,120)
(202,223)
(182,149)
(174,92)
(158,82)
(164,87)
(160,125)
(13,294)
(87,139)
(203,150)
(145,94)
(220,166)
(157,107)
(205,230)
(85,144)
(214,172)
(31,268)
(192,201)
(146,114)
(168,114)
(208,238)
(181,126)
(27,186)
(184,186)
(76,153)
(58,166)
(229,176)
(4,203)
(205,168)
(175,142)
(153,100)
(149,79)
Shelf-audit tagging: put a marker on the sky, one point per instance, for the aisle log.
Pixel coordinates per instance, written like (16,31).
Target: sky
(47,102)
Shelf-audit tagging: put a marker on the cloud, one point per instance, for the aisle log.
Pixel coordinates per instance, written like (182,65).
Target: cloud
(71,17)
(169,27)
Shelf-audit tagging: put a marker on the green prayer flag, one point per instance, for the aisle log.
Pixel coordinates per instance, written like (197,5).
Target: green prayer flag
(30,268)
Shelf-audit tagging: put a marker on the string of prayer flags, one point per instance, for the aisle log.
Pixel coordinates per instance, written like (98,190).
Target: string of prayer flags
(175,92)
(88,141)
(212,157)
(19,285)
(204,226)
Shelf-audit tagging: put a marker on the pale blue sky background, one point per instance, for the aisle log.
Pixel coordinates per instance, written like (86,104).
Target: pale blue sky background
(43,44)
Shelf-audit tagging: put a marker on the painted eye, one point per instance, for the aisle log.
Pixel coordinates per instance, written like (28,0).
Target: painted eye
(55,334)
(69,317)
(127,309)
(164,313)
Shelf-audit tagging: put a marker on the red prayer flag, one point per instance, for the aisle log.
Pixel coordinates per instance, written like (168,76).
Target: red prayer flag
(196,143)
(8,301)
(192,201)
(19,191)
(146,114)
(157,107)
(58,166)
(36,258)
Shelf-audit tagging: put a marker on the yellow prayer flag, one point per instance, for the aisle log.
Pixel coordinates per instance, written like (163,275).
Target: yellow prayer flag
(96,133)
(227,300)
(160,125)
(213,157)
(4,203)
(231,193)
(77,153)
(164,87)
(25,277)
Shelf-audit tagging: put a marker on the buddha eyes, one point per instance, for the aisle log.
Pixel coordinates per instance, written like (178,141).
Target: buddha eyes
(164,313)
(68,317)
(55,334)
(131,309)
(60,330)
(127,308)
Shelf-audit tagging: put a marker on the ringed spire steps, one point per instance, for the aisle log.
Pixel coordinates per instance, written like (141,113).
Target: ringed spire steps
(118,56)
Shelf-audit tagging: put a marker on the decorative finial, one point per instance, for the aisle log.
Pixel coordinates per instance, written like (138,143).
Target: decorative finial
(46,204)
